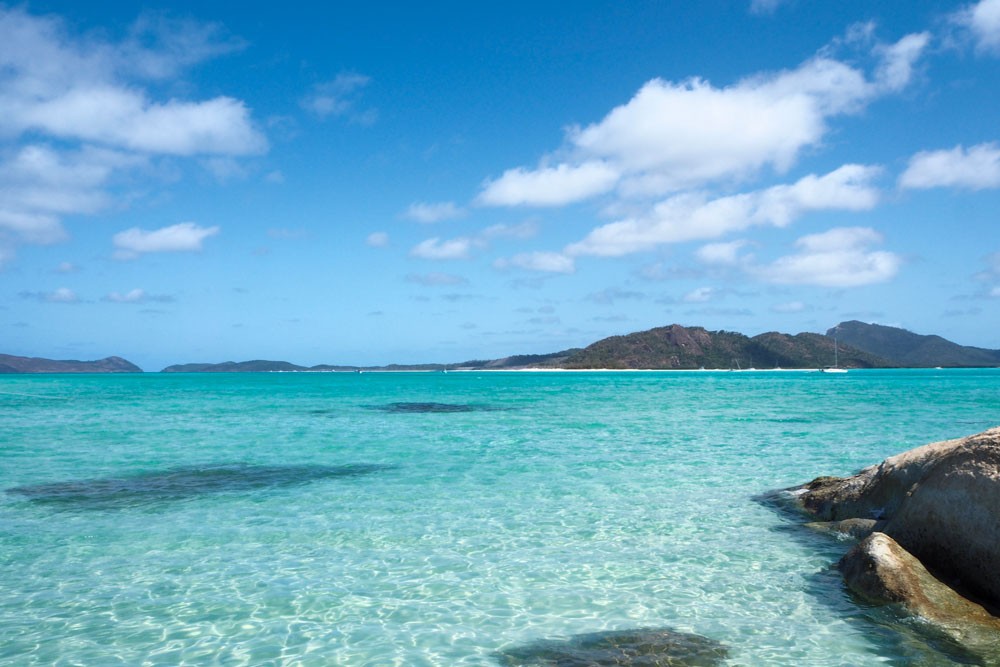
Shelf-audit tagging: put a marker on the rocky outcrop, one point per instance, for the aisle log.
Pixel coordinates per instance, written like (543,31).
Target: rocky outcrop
(940,502)
(929,520)
(882,572)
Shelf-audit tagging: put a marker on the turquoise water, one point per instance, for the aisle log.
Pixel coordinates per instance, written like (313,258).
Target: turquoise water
(305,519)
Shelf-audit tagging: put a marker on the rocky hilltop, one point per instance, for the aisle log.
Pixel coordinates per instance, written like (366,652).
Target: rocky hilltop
(12,364)
(910,350)
(679,347)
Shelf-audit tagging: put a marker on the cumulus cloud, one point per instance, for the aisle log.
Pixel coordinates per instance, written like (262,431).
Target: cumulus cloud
(76,111)
(543,262)
(674,136)
(695,216)
(436,248)
(426,213)
(83,89)
(982,19)
(840,257)
(182,237)
(976,168)
(549,186)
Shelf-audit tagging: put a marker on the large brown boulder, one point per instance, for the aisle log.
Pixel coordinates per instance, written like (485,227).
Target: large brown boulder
(940,502)
(882,572)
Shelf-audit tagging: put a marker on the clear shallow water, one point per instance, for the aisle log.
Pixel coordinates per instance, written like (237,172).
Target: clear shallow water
(559,504)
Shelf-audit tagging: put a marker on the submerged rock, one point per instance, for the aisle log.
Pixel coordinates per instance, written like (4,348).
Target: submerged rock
(940,502)
(652,647)
(856,528)
(403,408)
(180,483)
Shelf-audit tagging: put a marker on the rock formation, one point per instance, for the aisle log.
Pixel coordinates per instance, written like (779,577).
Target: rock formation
(932,520)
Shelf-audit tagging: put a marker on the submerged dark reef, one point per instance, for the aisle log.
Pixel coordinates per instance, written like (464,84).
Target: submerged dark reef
(181,483)
(648,647)
(421,408)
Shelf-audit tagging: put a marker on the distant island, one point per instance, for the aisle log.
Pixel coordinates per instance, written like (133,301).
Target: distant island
(850,344)
(12,364)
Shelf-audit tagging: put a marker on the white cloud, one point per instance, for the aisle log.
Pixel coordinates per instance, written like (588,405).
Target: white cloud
(182,237)
(524,230)
(898,61)
(76,111)
(339,97)
(983,20)
(543,262)
(693,216)
(435,248)
(377,240)
(433,212)
(840,257)
(132,296)
(765,6)
(721,253)
(699,295)
(60,295)
(549,186)
(137,296)
(674,136)
(39,184)
(977,168)
(125,118)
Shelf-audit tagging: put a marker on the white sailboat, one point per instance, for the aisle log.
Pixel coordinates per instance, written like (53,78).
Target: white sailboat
(836,362)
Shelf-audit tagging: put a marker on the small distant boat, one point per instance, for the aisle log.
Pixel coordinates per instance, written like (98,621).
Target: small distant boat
(836,362)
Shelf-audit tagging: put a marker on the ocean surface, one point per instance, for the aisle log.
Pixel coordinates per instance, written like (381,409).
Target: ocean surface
(443,519)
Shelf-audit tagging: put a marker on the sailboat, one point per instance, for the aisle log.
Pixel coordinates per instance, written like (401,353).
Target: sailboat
(836,362)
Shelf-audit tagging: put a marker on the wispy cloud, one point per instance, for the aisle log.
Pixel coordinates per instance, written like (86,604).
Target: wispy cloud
(60,295)
(182,237)
(543,262)
(436,248)
(137,296)
(436,279)
(377,240)
(340,97)
(427,213)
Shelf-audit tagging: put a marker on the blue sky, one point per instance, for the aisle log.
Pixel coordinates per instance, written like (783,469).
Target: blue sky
(446,181)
